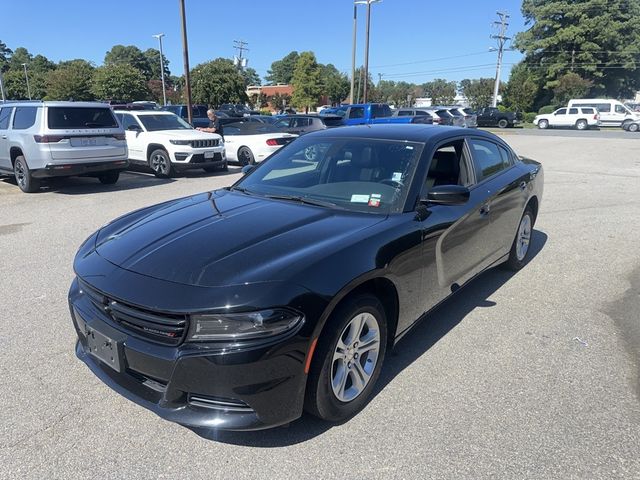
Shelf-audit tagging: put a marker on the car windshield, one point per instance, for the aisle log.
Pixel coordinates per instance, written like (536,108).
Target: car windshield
(355,174)
(154,123)
(249,128)
(81,117)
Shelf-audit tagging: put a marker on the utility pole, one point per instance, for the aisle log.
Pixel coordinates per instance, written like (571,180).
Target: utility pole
(353,53)
(185,55)
(366,55)
(502,39)
(164,92)
(239,61)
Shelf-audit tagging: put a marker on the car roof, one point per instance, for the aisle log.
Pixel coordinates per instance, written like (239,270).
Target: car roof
(144,112)
(52,103)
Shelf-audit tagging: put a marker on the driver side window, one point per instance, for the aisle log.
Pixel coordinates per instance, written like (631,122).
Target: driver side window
(128,120)
(449,166)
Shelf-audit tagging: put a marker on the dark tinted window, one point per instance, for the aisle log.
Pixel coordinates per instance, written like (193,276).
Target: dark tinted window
(444,114)
(5,114)
(506,156)
(356,112)
(573,111)
(154,123)
(332,122)
(128,121)
(25,117)
(381,111)
(80,117)
(199,111)
(448,166)
(587,110)
(487,158)
(405,113)
(173,109)
(562,111)
(603,107)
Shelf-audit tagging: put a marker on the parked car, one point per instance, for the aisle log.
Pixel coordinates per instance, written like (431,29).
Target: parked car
(340,111)
(612,112)
(470,118)
(237,110)
(240,307)
(55,139)
(447,118)
(373,113)
(249,142)
(412,112)
(579,118)
(300,124)
(167,144)
(199,116)
(493,117)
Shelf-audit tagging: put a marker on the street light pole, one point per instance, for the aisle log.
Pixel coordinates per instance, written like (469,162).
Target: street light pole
(353,53)
(164,92)
(185,55)
(26,76)
(366,49)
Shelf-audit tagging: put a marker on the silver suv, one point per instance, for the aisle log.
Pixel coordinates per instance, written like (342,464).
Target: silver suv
(53,139)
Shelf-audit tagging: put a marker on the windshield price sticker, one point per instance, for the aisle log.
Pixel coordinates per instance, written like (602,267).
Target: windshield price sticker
(359,198)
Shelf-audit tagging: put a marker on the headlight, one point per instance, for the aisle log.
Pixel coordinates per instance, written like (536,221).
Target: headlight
(180,142)
(242,326)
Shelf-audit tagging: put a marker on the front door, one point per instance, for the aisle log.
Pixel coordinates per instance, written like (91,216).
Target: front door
(135,138)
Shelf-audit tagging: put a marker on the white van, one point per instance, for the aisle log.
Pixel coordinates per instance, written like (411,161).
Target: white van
(612,112)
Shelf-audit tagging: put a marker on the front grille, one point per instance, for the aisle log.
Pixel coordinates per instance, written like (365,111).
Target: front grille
(168,329)
(199,158)
(213,142)
(218,403)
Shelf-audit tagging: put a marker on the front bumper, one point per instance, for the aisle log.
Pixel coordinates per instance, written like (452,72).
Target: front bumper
(75,169)
(183,159)
(229,387)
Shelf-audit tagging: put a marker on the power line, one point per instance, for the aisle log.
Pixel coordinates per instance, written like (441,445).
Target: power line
(239,61)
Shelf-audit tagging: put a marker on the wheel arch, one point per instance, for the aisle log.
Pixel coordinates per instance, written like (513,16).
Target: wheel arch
(534,204)
(14,153)
(155,146)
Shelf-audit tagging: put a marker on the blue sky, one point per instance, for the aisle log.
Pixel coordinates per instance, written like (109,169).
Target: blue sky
(411,40)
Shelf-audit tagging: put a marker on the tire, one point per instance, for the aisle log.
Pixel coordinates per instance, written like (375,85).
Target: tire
(633,127)
(627,124)
(109,178)
(343,375)
(245,156)
(160,163)
(520,247)
(23,175)
(543,124)
(582,125)
(503,123)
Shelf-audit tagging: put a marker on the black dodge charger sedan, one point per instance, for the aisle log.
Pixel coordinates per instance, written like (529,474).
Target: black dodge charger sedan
(240,307)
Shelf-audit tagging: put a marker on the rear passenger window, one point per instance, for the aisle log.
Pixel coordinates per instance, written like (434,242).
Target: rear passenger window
(573,111)
(356,112)
(24,118)
(404,113)
(587,111)
(5,114)
(488,158)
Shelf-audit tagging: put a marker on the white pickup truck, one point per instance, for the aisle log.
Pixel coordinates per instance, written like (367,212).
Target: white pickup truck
(168,144)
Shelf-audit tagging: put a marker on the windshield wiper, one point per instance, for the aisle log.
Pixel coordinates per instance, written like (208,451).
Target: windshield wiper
(240,189)
(305,200)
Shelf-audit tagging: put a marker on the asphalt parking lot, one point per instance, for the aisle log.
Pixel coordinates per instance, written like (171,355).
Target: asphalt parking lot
(533,375)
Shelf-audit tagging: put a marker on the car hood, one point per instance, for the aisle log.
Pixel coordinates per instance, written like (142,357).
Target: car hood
(228,238)
(184,134)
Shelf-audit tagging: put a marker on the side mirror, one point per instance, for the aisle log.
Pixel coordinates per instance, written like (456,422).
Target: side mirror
(247,169)
(447,195)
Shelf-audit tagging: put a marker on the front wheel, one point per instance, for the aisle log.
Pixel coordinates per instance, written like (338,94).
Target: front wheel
(348,360)
(23,175)
(109,178)
(633,127)
(160,163)
(543,124)
(520,247)
(503,123)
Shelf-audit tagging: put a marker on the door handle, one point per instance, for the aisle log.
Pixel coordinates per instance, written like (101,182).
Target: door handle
(522,185)
(4,137)
(484,210)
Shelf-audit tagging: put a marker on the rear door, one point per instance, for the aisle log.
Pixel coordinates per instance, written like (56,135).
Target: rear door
(5,158)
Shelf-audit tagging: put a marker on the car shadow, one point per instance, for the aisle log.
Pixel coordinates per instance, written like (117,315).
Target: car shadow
(427,332)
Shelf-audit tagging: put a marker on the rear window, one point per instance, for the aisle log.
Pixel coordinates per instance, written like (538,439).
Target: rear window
(60,118)
(587,110)
(332,122)
(5,114)
(444,114)
(24,117)
(405,113)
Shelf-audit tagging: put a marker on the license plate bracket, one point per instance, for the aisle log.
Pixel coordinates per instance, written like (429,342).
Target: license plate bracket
(209,154)
(104,348)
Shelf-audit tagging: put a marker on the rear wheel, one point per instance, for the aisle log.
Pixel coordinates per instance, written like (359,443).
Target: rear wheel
(633,127)
(161,164)
(23,175)
(109,178)
(627,124)
(245,156)
(503,123)
(348,360)
(542,124)
(520,246)
(581,125)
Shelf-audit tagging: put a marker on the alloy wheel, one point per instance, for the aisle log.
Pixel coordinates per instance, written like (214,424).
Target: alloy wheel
(21,174)
(524,237)
(160,164)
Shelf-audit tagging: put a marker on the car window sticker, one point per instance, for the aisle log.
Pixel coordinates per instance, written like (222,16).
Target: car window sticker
(355,198)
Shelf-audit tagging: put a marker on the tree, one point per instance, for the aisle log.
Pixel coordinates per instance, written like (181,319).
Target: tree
(217,82)
(71,80)
(250,76)
(359,86)
(569,86)
(15,85)
(5,56)
(122,83)
(152,57)
(20,55)
(479,92)
(335,85)
(279,100)
(282,70)
(132,56)
(440,91)
(522,89)
(306,82)
(595,39)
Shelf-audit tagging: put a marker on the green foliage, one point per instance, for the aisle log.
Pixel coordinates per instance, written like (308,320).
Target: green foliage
(359,86)
(547,109)
(152,57)
(595,39)
(120,82)
(569,86)
(306,82)
(20,55)
(335,85)
(15,86)
(521,90)
(5,56)
(250,76)
(440,91)
(265,111)
(529,116)
(479,92)
(278,101)
(71,80)
(217,82)
(282,70)
(502,108)
(132,56)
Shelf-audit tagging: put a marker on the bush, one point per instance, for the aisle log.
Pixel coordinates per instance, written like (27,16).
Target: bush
(502,108)
(529,116)
(547,109)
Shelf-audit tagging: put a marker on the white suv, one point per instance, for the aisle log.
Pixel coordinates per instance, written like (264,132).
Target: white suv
(579,117)
(167,144)
(54,139)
